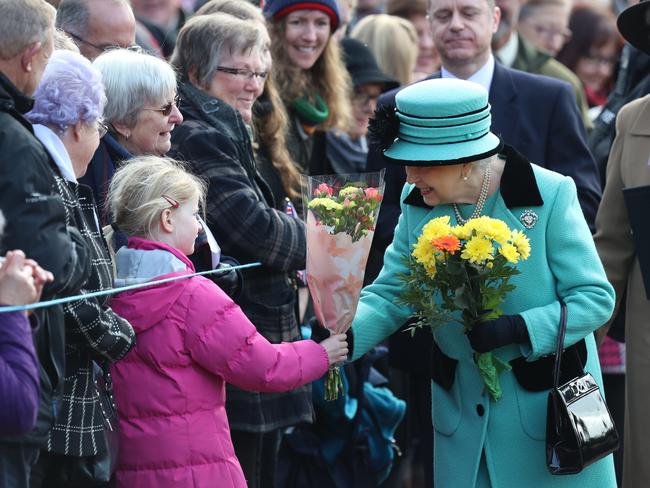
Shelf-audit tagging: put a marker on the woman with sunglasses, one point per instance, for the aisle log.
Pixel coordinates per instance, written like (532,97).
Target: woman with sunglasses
(67,118)
(222,63)
(141,111)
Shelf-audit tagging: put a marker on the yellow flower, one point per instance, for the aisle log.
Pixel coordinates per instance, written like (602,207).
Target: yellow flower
(491,229)
(477,250)
(424,252)
(463,232)
(435,228)
(350,191)
(521,242)
(509,252)
(325,203)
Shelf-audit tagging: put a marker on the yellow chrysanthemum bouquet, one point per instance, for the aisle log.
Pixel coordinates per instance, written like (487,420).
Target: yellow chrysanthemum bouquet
(467,269)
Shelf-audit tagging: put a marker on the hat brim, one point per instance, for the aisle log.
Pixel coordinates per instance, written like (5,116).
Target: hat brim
(406,153)
(634,25)
(365,77)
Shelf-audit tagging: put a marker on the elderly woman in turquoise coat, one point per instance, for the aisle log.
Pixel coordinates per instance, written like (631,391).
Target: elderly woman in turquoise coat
(456,167)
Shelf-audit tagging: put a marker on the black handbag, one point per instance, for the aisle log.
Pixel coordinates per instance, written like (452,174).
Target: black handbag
(579,427)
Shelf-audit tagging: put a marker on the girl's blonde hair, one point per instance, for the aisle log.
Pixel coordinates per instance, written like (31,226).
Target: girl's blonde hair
(328,77)
(393,41)
(145,186)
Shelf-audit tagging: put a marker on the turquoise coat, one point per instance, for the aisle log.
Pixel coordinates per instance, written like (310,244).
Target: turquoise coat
(564,263)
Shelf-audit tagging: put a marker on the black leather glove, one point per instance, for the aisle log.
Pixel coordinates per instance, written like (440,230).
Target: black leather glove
(491,334)
(229,281)
(318,332)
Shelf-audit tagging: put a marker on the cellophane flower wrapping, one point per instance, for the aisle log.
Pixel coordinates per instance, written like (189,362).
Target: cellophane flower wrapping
(340,214)
(462,273)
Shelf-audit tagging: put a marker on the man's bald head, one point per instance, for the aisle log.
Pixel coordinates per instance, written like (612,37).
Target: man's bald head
(97,24)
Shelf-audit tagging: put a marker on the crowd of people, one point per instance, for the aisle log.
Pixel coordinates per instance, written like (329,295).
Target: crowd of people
(144,140)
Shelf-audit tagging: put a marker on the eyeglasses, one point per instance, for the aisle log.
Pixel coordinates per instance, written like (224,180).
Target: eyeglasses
(362,98)
(552,32)
(247,74)
(102,128)
(105,47)
(167,108)
(596,60)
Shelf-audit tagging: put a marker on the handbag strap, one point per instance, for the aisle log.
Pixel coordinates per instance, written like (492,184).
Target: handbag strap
(560,344)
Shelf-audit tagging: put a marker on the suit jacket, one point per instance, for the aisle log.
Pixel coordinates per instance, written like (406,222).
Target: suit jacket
(628,167)
(535,114)
(563,263)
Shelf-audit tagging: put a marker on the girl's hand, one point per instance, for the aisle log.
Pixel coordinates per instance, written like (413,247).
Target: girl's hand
(337,348)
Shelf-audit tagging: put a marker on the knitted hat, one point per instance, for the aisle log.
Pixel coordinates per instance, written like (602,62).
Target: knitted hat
(362,66)
(276,9)
(634,25)
(436,122)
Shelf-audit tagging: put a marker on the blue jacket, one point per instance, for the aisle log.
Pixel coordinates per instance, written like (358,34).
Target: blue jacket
(563,263)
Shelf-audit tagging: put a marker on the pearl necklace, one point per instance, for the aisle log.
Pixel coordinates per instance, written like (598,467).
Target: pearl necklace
(482,197)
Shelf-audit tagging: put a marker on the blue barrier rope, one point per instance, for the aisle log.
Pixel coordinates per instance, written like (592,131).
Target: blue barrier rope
(112,291)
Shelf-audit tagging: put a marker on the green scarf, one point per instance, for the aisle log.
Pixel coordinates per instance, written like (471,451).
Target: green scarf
(311,115)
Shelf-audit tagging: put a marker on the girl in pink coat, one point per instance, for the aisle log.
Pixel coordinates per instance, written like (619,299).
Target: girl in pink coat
(191,340)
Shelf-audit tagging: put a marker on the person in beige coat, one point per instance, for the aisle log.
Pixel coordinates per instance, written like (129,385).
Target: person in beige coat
(629,166)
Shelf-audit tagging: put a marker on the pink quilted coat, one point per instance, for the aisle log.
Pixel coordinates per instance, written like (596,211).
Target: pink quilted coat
(170,388)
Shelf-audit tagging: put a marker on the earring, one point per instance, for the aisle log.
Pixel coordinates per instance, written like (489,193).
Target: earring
(465,178)
(127,135)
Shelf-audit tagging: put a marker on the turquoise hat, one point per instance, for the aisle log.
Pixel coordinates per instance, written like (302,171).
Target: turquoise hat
(440,122)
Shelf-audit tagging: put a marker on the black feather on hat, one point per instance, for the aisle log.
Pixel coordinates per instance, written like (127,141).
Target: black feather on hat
(383,128)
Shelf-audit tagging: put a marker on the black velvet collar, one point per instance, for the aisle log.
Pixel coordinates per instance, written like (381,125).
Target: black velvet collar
(518,185)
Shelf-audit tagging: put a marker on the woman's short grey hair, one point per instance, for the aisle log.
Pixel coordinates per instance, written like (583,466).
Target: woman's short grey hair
(133,81)
(70,91)
(24,22)
(482,163)
(205,40)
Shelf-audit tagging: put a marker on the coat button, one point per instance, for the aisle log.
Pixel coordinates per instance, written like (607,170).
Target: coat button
(480,410)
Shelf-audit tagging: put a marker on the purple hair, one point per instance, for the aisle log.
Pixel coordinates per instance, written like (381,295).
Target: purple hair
(70,91)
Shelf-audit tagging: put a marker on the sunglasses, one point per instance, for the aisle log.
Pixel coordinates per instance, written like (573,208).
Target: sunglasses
(167,108)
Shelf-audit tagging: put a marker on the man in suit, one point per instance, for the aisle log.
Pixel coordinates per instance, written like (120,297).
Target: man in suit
(535,114)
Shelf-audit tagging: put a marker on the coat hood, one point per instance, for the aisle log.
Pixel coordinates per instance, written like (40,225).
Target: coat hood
(144,261)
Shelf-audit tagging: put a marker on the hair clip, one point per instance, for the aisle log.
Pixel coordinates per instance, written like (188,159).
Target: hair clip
(171,201)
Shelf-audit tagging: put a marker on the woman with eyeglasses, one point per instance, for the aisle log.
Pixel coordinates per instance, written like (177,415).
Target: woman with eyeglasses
(221,61)
(141,112)
(593,52)
(269,122)
(309,70)
(67,118)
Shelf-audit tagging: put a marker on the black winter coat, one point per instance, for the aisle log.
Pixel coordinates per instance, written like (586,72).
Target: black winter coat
(35,223)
